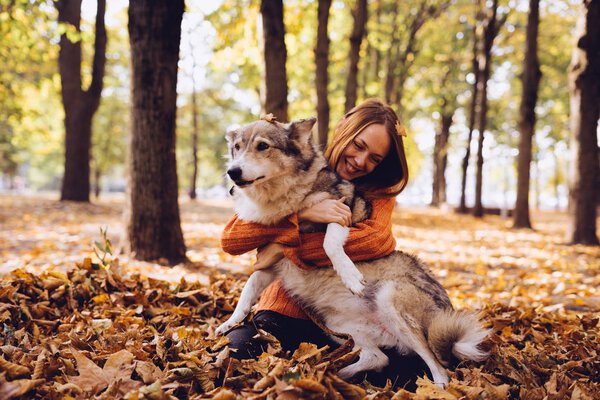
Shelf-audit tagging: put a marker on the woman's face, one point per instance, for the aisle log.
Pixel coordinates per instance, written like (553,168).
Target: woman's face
(364,153)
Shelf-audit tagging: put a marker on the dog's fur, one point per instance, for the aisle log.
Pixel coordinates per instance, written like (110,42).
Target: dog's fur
(390,302)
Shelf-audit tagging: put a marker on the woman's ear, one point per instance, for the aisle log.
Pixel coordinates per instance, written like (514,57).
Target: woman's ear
(301,130)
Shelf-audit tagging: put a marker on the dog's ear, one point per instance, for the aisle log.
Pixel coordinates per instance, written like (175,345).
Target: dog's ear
(301,130)
(230,135)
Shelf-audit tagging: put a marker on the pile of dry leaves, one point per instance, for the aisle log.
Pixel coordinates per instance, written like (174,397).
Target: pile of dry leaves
(99,332)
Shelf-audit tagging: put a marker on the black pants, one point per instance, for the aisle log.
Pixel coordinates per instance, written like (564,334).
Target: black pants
(401,370)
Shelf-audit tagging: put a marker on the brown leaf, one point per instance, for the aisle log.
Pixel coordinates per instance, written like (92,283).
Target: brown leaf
(16,388)
(38,369)
(310,385)
(119,365)
(13,370)
(268,117)
(348,390)
(224,394)
(429,390)
(308,350)
(91,377)
(149,372)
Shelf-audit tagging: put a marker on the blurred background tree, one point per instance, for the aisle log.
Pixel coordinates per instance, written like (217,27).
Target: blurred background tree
(417,54)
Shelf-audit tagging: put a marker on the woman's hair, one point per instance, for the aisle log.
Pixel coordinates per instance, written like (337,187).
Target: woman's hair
(391,175)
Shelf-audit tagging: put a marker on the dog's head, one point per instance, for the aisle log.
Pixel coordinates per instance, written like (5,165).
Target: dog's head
(264,150)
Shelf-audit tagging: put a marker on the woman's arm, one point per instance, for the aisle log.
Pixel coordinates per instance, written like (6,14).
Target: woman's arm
(369,239)
(241,236)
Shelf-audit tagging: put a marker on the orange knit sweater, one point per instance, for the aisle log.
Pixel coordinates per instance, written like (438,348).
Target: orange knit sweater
(369,239)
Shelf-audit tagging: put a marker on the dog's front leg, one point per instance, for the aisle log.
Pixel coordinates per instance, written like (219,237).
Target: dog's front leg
(333,244)
(257,282)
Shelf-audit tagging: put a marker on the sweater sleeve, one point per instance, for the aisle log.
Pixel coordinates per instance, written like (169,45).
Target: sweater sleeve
(240,236)
(369,239)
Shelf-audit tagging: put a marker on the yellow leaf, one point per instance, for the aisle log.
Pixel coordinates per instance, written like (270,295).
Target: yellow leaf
(87,263)
(101,298)
(182,332)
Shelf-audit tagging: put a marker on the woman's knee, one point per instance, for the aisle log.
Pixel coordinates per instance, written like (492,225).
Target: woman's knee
(243,342)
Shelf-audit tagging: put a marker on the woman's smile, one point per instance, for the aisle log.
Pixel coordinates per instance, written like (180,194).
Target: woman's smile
(350,168)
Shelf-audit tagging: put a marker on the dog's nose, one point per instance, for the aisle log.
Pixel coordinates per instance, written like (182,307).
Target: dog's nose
(235,173)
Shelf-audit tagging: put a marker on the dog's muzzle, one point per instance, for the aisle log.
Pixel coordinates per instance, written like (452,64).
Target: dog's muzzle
(235,174)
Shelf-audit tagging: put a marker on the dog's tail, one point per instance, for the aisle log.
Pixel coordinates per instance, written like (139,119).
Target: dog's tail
(456,335)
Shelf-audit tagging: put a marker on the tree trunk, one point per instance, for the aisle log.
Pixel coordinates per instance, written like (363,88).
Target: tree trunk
(405,57)
(391,56)
(490,31)
(440,161)
(194,177)
(322,76)
(154,227)
(556,180)
(462,208)
(356,38)
(79,105)
(481,125)
(97,176)
(531,79)
(584,80)
(370,71)
(276,89)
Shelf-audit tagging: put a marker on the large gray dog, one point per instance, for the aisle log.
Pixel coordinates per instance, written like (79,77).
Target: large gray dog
(390,302)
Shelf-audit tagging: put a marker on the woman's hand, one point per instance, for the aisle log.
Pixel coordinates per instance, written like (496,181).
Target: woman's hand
(268,255)
(328,211)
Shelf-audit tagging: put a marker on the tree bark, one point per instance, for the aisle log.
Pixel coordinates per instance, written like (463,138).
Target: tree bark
(79,105)
(584,80)
(356,38)
(531,79)
(462,208)
(154,228)
(276,89)
(97,176)
(440,160)
(322,76)
(391,56)
(490,30)
(194,176)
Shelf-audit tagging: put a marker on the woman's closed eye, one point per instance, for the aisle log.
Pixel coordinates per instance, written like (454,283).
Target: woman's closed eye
(358,145)
(375,159)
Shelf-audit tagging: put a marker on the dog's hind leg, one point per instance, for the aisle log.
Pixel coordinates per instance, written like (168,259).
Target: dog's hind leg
(370,358)
(418,343)
(333,244)
(408,332)
(257,282)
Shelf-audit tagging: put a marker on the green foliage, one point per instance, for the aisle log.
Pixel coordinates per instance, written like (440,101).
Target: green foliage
(111,122)
(28,64)
(230,78)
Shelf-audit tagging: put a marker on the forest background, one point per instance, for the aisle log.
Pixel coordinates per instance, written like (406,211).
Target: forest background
(222,61)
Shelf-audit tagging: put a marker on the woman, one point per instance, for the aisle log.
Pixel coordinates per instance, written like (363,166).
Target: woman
(367,150)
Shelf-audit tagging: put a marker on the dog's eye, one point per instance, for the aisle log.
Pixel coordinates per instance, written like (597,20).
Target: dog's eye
(237,146)
(262,146)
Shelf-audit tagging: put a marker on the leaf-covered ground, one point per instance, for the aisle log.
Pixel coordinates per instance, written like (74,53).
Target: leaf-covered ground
(73,327)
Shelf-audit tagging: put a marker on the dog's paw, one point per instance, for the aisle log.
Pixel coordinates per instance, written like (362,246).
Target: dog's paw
(354,281)
(347,372)
(224,328)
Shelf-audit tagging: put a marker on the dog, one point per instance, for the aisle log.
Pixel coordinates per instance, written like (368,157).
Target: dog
(393,301)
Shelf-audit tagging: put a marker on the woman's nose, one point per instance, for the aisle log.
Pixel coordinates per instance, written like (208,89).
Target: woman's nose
(360,160)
